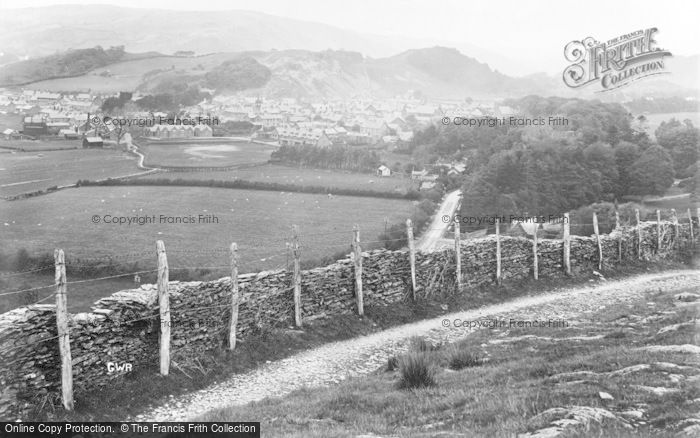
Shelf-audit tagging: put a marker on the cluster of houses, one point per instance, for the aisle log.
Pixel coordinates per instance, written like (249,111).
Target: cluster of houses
(384,123)
(361,121)
(42,113)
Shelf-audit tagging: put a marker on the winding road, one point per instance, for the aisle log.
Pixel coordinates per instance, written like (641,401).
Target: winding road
(428,242)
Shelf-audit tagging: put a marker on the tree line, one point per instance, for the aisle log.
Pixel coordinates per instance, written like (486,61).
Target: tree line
(337,157)
(597,157)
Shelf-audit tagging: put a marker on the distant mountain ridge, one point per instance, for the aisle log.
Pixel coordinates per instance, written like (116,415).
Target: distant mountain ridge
(437,72)
(296,52)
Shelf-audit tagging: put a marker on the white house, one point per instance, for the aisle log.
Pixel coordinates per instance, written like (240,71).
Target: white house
(383,171)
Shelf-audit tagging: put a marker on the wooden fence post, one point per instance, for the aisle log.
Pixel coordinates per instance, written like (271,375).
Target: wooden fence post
(658,231)
(596,230)
(639,234)
(692,232)
(619,238)
(676,234)
(535,269)
(164,307)
(63,330)
(567,244)
(458,253)
(297,276)
(234,297)
(411,256)
(498,251)
(358,269)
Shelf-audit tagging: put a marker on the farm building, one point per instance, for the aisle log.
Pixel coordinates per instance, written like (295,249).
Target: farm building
(178,131)
(383,171)
(93,142)
(35,126)
(303,137)
(68,134)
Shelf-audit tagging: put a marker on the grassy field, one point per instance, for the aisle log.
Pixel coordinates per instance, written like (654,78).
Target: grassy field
(272,173)
(681,204)
(259,221)
(128,75)
(12,121)
(209,153)
(503,382)
(23,172)
(40,145)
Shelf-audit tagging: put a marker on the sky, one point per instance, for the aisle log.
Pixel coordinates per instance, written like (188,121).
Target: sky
(532,32)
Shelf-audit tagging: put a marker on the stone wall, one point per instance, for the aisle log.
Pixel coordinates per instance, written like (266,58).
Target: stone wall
(123,328)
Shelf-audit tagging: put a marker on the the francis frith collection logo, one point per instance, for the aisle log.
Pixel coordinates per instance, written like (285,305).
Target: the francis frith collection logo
(614,63)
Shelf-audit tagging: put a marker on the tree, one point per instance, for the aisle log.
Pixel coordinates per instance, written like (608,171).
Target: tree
(652,172)
(682,140)
(626,154)
(601,158)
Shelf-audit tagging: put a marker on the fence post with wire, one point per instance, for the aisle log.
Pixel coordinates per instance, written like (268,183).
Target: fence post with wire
(63,331)
(234,297)
(164,308)
(357,256)
(411,256)
(567,244)
(296,278)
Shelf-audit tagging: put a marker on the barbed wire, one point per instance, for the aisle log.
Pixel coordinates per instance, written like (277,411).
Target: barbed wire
(26,290)
(16,273)
(112,276)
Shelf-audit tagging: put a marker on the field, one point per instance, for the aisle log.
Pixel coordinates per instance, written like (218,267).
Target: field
(22,172)
(259,221)
(272,173)
(208,153)
(680,203)
(39,145)
(128,75)
(9,120)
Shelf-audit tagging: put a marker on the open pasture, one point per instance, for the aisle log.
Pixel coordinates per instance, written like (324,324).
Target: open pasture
(272,173)
(130,74)
(40,145)
(259,221)
(22,172)
(210,152)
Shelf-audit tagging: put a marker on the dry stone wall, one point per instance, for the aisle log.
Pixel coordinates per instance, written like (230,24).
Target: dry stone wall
(123,328)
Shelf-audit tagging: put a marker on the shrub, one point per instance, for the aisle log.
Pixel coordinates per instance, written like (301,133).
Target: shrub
(459,359)
(417,371)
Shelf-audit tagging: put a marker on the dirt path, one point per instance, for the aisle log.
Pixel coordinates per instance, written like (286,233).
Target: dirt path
(337,361)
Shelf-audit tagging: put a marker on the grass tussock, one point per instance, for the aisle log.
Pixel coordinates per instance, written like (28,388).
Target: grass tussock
(417,371)
(462,358)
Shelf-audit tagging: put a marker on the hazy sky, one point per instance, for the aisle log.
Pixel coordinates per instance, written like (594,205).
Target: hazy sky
(524,30)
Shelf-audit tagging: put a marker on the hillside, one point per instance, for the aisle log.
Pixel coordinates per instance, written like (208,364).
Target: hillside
(437,72)
(47,30)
